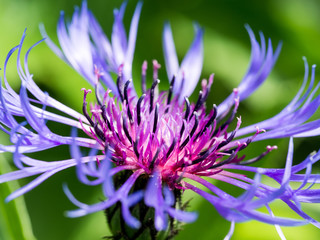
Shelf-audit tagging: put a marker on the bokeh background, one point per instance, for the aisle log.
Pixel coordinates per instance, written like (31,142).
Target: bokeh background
(40,213)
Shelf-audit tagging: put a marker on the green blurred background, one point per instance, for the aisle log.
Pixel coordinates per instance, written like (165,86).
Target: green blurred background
(227,53)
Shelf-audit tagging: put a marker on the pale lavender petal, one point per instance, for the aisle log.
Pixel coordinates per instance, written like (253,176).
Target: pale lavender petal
(182,216)
(119,38)
(34,183)
(191,65)
(260,66)
(125,206)
(170,55)
(101,40)
(51,44)
(128,58)
(153,198)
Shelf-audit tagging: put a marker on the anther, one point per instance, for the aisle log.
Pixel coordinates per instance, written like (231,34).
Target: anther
(200,159)
(249,140)
(125,92)
(135,148)
(104,116)
(99,133)
(125,128)
(228,140)
(187,108)
(182,129)
(155,157)
(234,111)
(195,126)
(253,160)
(198,104)
(84,107)
(170,92)
(119,80)
(204,156)
(214,115)
(228,160)
(212,118)
(97,94)
(139,108)
(171,148)
(155,118)
(243,146)
(154,84)
(196,123)
(184,143)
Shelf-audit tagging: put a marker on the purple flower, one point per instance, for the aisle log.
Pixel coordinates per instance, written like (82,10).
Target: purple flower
(149,149)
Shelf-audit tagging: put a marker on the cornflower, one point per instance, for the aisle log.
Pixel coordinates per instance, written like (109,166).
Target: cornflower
(146,151)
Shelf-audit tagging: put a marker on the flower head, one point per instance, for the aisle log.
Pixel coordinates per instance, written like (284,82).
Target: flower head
(146,150)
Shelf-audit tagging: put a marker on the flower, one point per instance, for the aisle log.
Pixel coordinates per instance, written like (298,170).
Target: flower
(145,151)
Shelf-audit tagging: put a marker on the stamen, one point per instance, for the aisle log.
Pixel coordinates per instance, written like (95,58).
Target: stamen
(228,160)
(170,90)
(212,118)
(155,118)
(104,116)
(144,76)
(156,67)
(200,159)
(84,106)
(195,126)
(125,92)
(206,87)
(228,140)
(253,160)
(119,80)
(97,94)
(125,128)
(170,93)
(182,129)
(230,119)
(198,104)
(184,143)
(249,140)
(203,157)
(155,157)
(187,108)
(99,133)
(171,148)
(135,148)
(196,123)
(139,108)
(154,84)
